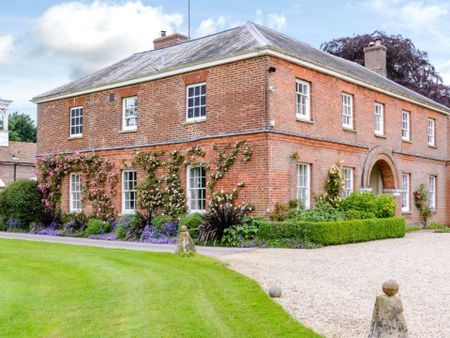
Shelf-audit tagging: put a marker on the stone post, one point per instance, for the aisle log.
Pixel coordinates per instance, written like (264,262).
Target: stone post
(387,319)
(185,244)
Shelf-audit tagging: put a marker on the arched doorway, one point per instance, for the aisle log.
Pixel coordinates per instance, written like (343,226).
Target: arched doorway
(381,177)
(380,173)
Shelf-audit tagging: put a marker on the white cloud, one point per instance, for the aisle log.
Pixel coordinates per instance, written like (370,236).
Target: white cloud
(96,34)
(419,13)
(6,47)
(444,70)
(409,14)
(211,26)
(276,21)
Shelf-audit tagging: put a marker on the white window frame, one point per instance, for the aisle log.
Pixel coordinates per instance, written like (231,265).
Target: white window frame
(126,190)
(4,120)
(190,189)
(75,201)
(432,191)
(72,119)
(304,187)
(347,111)
(127,109)
(406,192)
(303,100)
(348,178)
(199,106)
(406,128)
(379,118)
(431,132)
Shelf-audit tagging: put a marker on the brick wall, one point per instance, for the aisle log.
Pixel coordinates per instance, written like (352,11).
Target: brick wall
(252,173)
(235,102)
(238,100)
(22,171)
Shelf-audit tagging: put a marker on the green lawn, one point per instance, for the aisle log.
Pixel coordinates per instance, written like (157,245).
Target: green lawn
(55,290)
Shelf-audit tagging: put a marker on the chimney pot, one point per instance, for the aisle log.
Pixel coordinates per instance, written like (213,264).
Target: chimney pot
(375,57)
(168,40)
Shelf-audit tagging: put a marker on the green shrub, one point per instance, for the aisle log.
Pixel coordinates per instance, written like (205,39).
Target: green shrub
(322,212)
(282,211)
(436,226)
(412,228)
(192,222)
(280,230)
(332,233)
(384,206)
(126,224)
(366,205)
(160,220)
(242,234)
(21,201)
(96,226)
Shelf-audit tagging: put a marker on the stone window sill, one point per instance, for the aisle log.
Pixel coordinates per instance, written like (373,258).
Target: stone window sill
(194,121)
(380,136)
(351,130)
(75,137)
(431,146)
(406,141)
(128,131)
(299,119)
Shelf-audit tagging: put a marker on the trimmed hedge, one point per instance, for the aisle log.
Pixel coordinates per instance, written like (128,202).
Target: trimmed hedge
(332,233)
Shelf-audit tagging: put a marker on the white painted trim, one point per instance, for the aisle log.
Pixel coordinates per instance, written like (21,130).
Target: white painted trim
(127,211)
(407,207)
(199,118)
(71,209)
(79,135)
(307,116)
(308,184)
(124,122)
(188,190)
(245,56)
(349,79)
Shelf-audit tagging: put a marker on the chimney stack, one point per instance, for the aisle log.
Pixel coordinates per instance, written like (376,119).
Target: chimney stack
(375,57)
(168,40)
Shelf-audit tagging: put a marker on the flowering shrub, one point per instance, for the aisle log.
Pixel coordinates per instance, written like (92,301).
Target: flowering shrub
(334,186)
(51,230)
(97,227)
(15,225)
(241,235)
(151,235)
(99,180)
(421,203)
(175,201)
(222,210)
(74,224)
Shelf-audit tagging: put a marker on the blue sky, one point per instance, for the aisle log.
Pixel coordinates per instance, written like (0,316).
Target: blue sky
(46,43)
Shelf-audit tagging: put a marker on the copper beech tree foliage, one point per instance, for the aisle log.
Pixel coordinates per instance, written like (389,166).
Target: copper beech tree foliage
(406,64)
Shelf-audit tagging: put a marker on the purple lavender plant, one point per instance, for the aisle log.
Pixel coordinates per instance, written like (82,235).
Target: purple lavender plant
(149,235)
(170,228)
(14,225)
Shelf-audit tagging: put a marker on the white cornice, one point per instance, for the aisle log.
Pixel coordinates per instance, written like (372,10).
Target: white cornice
(267,51)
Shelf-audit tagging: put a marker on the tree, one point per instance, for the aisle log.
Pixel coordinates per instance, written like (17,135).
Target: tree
(21,128)
(406,64)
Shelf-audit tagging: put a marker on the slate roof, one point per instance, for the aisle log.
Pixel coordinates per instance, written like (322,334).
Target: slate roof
(25,151)
(240,40)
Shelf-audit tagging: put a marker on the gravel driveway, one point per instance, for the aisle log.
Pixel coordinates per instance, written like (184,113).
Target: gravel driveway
(333,289)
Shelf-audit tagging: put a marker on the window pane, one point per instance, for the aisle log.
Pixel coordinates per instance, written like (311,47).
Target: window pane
(197,188)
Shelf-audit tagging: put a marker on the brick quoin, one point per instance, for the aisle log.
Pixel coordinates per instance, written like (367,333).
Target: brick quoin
(246,102)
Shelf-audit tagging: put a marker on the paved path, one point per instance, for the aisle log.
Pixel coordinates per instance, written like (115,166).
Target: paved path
(333,289)
(216,252)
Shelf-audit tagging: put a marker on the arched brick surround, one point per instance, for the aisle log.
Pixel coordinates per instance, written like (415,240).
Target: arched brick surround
(384,160)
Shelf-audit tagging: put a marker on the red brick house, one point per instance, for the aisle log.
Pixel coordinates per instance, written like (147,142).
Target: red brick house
(17,159)
(280,95)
